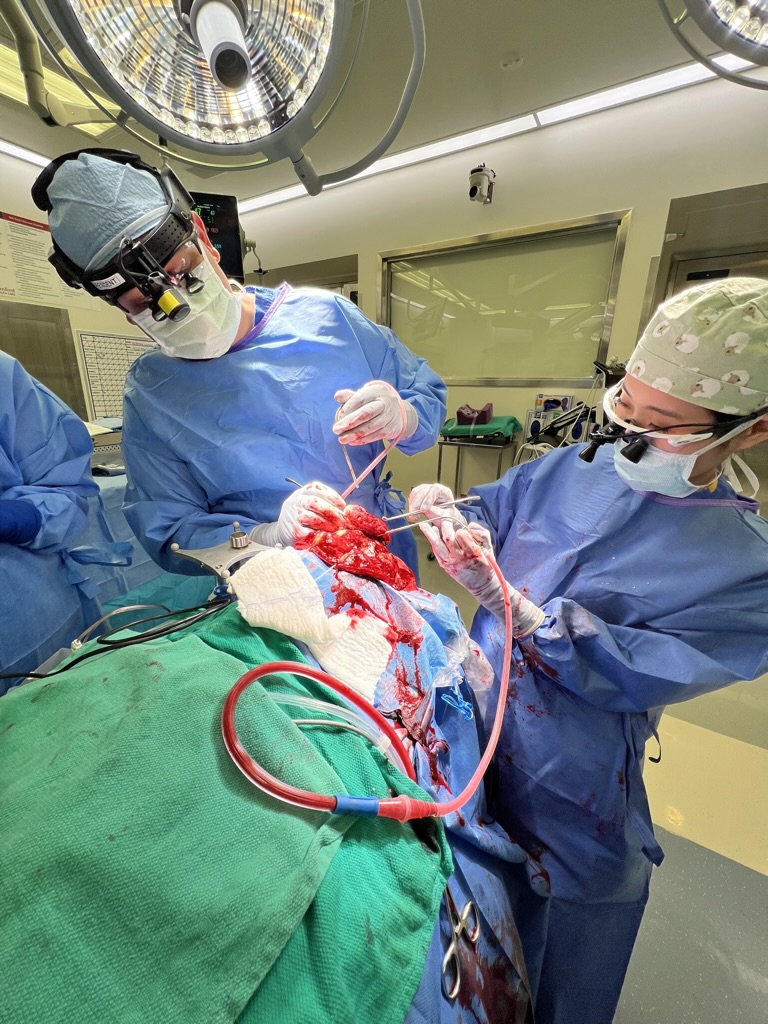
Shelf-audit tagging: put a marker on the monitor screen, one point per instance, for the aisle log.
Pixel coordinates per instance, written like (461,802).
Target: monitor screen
(219,214)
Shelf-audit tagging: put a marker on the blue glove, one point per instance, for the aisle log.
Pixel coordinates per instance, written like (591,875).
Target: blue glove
(20,521)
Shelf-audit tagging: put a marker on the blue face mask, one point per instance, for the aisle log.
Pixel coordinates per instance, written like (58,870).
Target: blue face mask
(658,471)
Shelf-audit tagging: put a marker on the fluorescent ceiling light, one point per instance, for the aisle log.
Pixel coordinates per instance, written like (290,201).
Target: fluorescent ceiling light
(271,199)
(455,144)
(23,154)
(653,85)
(12,86)
(730,62)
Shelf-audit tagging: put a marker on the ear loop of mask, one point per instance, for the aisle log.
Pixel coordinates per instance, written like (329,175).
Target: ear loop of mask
(732,475)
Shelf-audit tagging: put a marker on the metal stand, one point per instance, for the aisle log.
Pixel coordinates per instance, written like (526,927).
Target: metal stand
(460,445)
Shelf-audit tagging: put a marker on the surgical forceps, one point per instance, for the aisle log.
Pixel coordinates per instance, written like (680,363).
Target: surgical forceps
(426,518)
(466,923)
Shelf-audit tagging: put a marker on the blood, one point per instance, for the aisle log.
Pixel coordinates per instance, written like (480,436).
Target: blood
(432,747)
(330,519)
(356,542)
(358,549)
(357,518)
(534,661)
(409,698)
(539,712)
(495,988)
(346,595)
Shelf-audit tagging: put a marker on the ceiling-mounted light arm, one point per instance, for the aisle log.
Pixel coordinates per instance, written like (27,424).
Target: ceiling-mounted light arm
(416,19)
(49,108)
(698,25)
(303,166)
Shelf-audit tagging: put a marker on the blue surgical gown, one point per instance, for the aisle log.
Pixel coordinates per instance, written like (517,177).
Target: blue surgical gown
(212,441)
(649,601)
(45,455)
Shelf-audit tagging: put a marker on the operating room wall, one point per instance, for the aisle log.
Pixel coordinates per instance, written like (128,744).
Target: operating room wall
(85,313)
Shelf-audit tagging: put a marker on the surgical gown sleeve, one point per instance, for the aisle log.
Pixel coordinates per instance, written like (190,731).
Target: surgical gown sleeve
(647,603)
(45,452)
(666,661)
(410,375)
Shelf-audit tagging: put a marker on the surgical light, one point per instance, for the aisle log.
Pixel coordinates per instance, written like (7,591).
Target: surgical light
(739,27)
(219,83)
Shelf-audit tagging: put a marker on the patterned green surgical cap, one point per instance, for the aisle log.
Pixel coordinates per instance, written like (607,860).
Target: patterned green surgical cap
(709,346)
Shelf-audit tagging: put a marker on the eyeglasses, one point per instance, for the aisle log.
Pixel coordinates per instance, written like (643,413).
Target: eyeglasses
(184,261)
(612,396)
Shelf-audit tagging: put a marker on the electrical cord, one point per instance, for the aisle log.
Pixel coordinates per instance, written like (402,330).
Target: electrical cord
(211,608)
(85,635)
(207,609)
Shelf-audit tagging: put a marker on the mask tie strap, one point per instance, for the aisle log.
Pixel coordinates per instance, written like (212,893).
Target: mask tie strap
(733,476)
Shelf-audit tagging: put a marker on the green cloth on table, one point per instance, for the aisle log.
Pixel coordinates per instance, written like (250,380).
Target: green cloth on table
(145,880)
(506,425)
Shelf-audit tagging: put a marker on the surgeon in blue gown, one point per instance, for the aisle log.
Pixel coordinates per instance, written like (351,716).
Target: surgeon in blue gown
(254,386)
(45,489)
(634,584)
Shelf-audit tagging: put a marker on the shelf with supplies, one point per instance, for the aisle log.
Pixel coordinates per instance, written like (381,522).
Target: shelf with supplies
(497,436)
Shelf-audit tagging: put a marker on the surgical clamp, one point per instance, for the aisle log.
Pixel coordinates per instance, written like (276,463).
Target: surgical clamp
(466,923)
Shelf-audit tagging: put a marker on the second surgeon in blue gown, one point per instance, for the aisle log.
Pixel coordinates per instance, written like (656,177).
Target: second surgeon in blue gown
(633,585)
(48,499)
(253,386)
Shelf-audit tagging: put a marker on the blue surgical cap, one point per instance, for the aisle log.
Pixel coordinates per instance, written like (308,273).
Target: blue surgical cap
(95,203)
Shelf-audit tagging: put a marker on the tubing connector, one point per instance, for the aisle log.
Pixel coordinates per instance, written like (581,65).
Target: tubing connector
(405,808)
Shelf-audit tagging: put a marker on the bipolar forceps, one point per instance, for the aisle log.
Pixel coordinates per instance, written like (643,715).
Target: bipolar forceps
(466,923)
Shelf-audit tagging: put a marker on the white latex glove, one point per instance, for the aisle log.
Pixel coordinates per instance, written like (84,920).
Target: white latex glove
(374,412)
(463,554)
(311,507)
(429,498)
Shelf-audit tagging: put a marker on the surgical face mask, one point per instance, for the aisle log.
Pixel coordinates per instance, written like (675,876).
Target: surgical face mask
(662,472)
(210,328)
(657,471)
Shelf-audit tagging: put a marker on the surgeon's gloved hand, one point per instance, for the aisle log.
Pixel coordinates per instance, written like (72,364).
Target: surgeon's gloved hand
(429,499)
(20,521)
(463,553)
(375,412)
(312,507)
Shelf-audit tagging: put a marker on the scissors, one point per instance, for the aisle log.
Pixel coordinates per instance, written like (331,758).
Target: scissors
(466,923)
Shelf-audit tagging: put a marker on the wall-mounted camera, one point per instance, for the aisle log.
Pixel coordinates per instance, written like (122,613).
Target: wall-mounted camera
(481,181)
